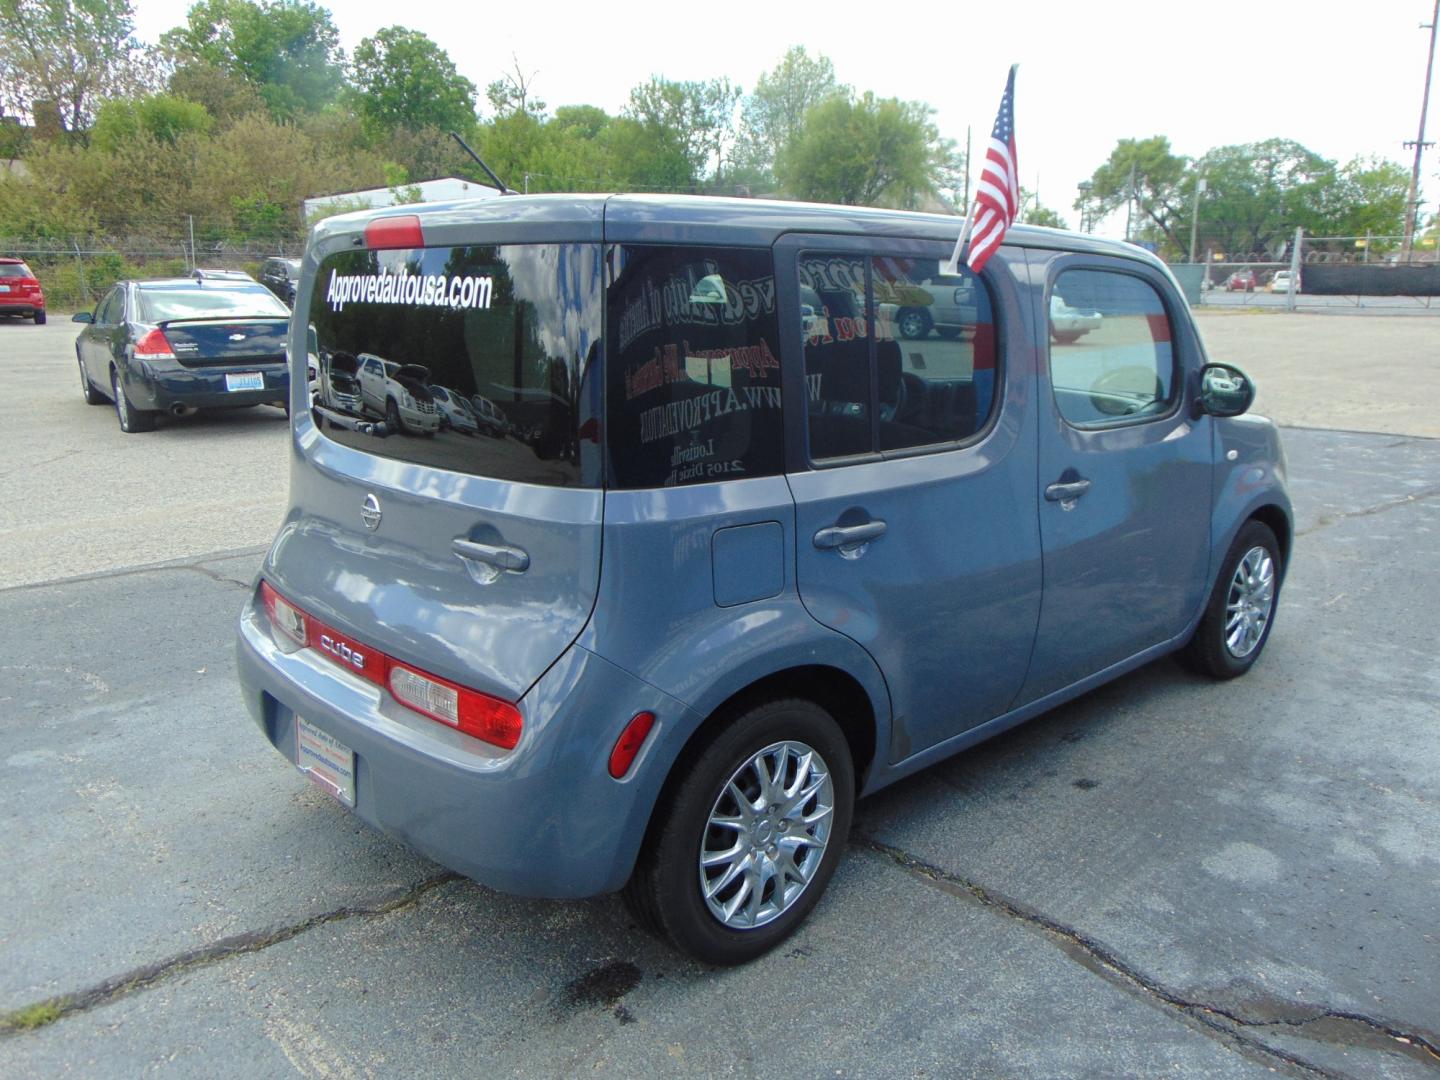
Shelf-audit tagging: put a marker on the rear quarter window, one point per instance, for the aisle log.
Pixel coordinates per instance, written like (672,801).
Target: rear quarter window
(693,383)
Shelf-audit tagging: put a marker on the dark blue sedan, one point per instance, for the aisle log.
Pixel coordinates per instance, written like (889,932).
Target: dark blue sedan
(212,341)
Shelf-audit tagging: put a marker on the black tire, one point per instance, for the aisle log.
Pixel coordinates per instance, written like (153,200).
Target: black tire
(950,333)
(1067,337)
(39,318)
(91,395)
(664,893)
(913,323)
(132,420)
(1210,652)
(393,423)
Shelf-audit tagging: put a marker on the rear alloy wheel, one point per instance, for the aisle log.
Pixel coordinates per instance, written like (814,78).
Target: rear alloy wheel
(1241,609)
(132,420)
(91,395)
(751,835)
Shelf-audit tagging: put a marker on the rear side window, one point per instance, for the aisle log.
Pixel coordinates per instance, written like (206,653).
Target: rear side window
(693,366)
(898,355)
(474,359)
(14,270)
(1112,355)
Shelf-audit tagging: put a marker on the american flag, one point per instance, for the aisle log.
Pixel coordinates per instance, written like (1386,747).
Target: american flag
(997,195)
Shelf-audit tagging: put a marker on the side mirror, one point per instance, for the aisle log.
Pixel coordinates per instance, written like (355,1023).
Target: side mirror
(82,316)
(1225,390)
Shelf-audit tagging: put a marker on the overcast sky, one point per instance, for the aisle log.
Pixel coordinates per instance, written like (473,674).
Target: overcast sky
(1344,80)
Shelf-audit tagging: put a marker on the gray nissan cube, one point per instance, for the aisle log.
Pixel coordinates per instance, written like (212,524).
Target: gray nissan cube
(741,545)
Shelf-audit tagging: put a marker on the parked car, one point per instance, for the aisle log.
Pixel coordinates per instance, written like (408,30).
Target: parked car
(491,420)
(1067,324)
(667,659)
(279,276)
(1241,281)
(1280,282)
(400,393)
(178,345)
(20,292)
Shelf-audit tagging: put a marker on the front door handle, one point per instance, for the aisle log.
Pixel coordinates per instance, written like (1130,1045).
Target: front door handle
(1067,491)
(849,537)
(499,556)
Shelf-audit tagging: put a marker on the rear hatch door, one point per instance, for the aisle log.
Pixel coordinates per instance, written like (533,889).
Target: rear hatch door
(227,342)
(475,559)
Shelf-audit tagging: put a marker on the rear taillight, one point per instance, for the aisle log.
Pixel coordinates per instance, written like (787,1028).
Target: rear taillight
(479,715)
(154,346)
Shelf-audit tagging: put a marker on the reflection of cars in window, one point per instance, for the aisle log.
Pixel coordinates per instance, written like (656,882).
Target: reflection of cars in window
(399,393)
(730,577)
(179,345)
(340,383)
(491,420)
(455,411)
(944,305)
(1067,324)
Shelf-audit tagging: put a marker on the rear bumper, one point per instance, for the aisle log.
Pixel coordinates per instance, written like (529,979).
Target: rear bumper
(15,306)
(545,819)
(160,384)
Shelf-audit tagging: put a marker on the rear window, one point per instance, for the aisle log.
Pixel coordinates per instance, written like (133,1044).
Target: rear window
(15,270)
(474,359)
(693,381)
(207,302)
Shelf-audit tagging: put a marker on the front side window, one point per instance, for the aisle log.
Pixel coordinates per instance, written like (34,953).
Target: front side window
(1112,355)
(401,336)
(898,355)
(112,308)
(692,366)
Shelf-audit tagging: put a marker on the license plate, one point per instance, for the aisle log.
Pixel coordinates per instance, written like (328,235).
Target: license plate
(327,763)
(245,380)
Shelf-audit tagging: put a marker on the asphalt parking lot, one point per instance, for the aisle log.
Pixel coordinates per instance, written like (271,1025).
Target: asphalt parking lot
(1166,877)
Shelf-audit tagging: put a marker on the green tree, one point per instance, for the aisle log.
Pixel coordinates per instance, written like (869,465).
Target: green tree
(162,117)
(225,96)
(289,50)
(71,53)
(1370,198)
(694,119)
(403,79)
(1146,171)
(869,151)
(513,92)
(1033,212)
(775,112)
(1259,193)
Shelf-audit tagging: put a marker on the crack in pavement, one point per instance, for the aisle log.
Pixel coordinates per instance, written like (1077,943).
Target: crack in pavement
(19,1022)
(1326,520)
(1424,1048)
(197,564)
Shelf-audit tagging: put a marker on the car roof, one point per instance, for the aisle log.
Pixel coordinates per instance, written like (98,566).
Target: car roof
(10,259)
(702,219)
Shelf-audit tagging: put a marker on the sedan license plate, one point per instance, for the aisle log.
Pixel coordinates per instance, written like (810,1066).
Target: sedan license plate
(326,762)
(245,380)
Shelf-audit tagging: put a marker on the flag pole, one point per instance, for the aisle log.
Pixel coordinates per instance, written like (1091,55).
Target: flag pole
(953,266)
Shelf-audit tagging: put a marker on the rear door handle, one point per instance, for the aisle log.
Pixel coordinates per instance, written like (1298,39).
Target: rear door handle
(501,557)
(848,537)
(1065,492)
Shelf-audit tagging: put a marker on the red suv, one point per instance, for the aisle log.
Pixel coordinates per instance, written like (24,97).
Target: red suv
(20,292)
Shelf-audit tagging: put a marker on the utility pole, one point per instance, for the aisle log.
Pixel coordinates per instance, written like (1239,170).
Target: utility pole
(966,204)
(1413,204)
(1130,202)
(1195,215)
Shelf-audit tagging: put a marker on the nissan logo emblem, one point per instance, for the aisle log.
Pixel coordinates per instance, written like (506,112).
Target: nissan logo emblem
(370,512)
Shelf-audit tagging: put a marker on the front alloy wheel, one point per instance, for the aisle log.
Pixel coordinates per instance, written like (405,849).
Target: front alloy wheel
(1250,602)
(1241,610)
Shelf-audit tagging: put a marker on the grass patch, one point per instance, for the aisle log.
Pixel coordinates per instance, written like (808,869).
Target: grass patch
(33,1016)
